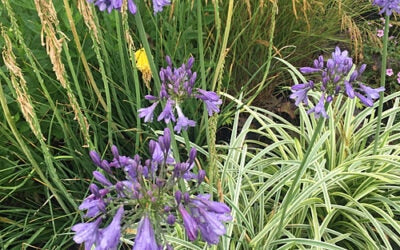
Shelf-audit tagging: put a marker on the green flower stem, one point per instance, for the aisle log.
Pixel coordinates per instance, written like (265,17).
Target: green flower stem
(154,72)
(383,79)
(136,82)
(146,46)
(261,86)
(293,188)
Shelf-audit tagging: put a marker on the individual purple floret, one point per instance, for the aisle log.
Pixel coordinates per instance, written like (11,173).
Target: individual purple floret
(87,232)
(145,238)
(337,75)
(388,6)
(189,223)
(183,122)
(106,238)
(319,109)
(300,91)
(94,203)
(177,86)
(109,236)
(211,99)
(148,112)
(158,5)
(206,216)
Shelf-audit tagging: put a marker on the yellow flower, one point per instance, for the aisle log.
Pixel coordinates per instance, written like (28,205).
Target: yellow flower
(142,63)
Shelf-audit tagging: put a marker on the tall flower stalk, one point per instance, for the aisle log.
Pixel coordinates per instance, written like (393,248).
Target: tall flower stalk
(337,75)
(388,12)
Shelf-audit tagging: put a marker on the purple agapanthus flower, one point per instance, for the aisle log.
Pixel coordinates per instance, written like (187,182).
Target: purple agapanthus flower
(109,5)
(158,5)
(337,75)
(145,238)
(109,236)
(87,232)
(176,87)
(388,6)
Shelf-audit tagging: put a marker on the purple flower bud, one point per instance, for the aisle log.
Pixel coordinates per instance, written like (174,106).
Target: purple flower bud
(362,69)
(119,187)
(190,62)
(132,7)
(353,76)
(114,151)
(201,176)
(152,146)
(169,61)
(349,89)
(190,224)
(160,182)
(171,219)
(101,178)
(95,157)
(308,70)
(94,189)
(167,139)
(167,209)
(105,166)
(178,196)
(186,197)
(192,155)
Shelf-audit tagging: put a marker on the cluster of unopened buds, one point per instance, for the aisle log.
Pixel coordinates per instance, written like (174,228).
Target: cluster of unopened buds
(336,75)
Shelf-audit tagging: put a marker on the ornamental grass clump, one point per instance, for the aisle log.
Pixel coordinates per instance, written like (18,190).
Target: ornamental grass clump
(336,75)
(148,192)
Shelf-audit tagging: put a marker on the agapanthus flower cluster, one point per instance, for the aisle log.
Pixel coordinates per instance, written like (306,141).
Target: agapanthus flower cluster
(337,75)
(110,5)
(178,86)
(147,193)
(388,6)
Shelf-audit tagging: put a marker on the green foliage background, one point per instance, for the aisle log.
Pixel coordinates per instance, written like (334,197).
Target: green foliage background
(348,197)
